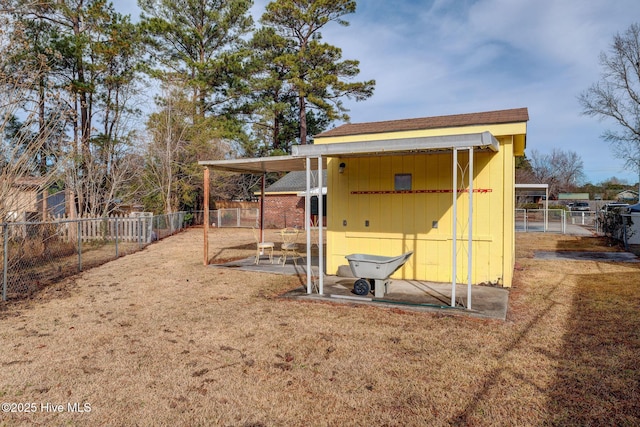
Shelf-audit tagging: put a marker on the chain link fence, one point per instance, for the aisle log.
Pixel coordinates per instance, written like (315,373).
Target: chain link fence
(37,254)
(540,220)
(588,219)
(230,217)
(556,221)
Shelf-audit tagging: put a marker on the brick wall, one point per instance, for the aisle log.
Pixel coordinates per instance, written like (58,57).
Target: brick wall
(282,211)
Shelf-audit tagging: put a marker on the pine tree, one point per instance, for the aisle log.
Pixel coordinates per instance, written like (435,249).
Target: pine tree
(318,75)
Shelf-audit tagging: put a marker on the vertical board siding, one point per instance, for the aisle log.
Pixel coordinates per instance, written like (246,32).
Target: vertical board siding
(509,209)
(404,222)
(376,205)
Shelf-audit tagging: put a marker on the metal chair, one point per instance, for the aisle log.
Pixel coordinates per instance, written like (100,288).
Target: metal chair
(289,245)
(261,246)
(314,229)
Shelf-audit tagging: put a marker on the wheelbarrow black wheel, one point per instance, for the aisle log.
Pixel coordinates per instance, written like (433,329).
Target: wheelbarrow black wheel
(361,287)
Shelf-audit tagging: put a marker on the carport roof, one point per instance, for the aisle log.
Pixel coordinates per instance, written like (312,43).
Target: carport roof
(261,165)
(297,161)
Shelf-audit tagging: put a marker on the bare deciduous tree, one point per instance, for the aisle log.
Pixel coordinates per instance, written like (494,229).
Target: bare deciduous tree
(617,96)
(92,54)
(172,178)
(562,170)
(23,135)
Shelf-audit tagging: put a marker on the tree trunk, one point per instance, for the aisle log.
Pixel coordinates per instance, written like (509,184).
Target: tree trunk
(303,120)
(41,131)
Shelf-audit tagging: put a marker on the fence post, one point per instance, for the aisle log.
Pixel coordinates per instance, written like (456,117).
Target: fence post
(139,232)
(79,226)
(116,233)
(5,256)
(624,233)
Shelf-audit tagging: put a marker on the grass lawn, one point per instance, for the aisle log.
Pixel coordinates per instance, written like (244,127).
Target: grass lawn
(156,338)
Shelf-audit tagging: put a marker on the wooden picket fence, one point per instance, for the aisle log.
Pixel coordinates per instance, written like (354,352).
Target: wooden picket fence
(120,227)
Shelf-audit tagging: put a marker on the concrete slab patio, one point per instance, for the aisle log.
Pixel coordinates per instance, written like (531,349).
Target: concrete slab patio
(486,301)
(587,256)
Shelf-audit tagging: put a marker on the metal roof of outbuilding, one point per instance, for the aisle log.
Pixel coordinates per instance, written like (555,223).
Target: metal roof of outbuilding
(404,146)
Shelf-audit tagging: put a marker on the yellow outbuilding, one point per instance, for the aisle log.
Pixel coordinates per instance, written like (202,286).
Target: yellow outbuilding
(442,187)
(391,188)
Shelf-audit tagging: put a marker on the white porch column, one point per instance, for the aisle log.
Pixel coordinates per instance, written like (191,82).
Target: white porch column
(307,220)
(320,229)
(546,208)
(454,226)
(470,241)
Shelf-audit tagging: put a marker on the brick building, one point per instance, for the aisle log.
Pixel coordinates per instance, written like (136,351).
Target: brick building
(284,200)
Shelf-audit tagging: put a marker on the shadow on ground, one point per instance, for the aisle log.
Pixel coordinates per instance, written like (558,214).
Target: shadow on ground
(598,373)
(486,301)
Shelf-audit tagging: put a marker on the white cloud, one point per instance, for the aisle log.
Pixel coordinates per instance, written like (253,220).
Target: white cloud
(491,54)
(442,57)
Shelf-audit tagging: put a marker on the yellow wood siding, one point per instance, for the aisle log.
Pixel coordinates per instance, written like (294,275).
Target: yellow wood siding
(398,223)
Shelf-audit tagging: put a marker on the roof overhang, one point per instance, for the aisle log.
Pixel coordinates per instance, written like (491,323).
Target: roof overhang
(532,186)
(533,189)
(416,145)
(297,161)
(262,164)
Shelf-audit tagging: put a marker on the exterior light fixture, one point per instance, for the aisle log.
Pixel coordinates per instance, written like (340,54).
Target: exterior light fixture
(341,167)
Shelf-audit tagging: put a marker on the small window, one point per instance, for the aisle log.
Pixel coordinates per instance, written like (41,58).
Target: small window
(403,182)
(314,205)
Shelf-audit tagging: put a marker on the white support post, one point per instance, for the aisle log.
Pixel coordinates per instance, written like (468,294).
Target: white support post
(320,232)
(470,241)
(307,216)
(454,227)
(261,213)
(546,209)
(206,217)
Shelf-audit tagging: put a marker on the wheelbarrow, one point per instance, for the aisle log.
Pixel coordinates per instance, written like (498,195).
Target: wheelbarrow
(374,268)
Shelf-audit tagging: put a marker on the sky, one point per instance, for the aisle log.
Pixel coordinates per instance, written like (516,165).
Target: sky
(440,57)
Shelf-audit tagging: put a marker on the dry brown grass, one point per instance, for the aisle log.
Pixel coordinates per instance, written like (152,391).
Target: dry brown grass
(528,243)
(155,338)
(34,266)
